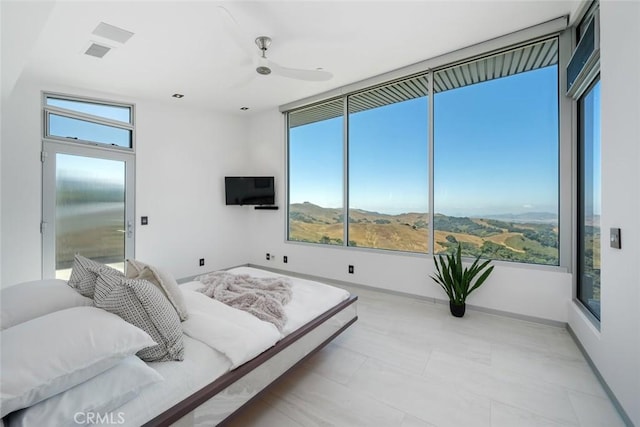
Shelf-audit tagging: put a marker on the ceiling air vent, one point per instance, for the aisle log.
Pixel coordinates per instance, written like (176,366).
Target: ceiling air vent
(97,50)
(112,32)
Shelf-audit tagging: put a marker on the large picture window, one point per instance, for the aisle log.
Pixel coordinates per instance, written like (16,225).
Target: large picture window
(388,180)
(316,194)
(495,145)
(496,156)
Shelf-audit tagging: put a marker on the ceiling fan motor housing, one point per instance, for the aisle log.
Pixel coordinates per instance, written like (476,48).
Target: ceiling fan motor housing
(263,70)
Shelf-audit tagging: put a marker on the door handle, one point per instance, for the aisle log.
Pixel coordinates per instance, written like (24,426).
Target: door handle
(129,228)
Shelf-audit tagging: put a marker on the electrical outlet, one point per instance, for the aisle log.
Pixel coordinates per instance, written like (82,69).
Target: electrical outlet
(201,262)
(268,256)
(284,259)
(351,269)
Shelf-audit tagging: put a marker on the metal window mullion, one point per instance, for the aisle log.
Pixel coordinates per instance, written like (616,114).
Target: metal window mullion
(87,117)
(566,160)
(90,144)
(287,160)
(345,178)
(430,161)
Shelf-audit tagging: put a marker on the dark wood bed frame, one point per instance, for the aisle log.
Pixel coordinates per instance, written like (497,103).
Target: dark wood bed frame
(189,404)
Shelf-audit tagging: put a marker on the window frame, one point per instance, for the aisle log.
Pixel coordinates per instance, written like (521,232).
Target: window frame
(580,221)
(556,28)
(347,142)
(588,14)
(53,145)
(49,110)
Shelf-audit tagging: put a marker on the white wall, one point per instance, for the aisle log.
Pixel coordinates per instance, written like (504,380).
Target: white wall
(535,291)
(182,157)
(20,27)
(615,349)
(21,185)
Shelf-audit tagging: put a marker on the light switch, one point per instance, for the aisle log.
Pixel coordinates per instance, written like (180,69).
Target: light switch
(144,220)
(614,238)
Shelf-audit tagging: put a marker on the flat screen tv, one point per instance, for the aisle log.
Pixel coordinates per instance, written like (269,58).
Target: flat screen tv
(249,190)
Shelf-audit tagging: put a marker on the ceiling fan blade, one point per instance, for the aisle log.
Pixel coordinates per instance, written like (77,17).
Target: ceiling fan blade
(244,80)
(234,29)
(295,73)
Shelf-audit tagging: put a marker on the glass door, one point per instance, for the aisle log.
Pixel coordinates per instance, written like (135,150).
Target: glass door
(87,207)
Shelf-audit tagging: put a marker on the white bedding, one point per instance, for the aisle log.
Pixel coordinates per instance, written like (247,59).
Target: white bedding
(310,299)
(235,333)
(219,338)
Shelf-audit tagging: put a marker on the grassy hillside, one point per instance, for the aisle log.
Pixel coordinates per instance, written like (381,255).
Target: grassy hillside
(533,241)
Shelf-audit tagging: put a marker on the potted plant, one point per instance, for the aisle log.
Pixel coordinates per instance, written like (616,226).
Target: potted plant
(458,282)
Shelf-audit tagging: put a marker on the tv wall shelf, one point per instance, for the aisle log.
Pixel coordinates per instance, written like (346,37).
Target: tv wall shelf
(269,208)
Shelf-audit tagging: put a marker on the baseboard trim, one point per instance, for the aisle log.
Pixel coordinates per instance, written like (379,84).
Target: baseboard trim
(603,382)
(492,311)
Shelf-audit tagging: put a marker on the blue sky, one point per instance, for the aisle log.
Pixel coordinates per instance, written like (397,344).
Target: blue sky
(496,151)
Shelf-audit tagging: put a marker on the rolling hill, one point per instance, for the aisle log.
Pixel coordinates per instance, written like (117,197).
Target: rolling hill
(529,238)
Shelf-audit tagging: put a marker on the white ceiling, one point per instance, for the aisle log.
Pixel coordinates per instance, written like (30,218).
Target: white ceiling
(185,46)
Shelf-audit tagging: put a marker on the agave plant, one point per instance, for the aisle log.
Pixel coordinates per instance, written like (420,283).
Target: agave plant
(456,281)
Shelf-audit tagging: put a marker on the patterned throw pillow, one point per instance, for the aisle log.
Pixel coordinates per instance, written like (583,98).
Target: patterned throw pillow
(163,280)
(143,305)
(85,273)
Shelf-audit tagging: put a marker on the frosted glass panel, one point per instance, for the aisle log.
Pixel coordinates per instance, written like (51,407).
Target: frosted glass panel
(90,211)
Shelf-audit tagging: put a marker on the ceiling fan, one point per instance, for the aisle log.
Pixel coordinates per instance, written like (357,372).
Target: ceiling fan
(263,65)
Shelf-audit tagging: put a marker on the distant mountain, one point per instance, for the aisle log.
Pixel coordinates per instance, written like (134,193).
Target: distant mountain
(544,217)
(335,214)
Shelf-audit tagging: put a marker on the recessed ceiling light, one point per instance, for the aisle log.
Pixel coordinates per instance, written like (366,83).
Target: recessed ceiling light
(178,95)
(244,108)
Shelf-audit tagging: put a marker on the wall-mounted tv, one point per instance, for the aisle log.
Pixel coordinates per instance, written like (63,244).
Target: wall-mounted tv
(249,190)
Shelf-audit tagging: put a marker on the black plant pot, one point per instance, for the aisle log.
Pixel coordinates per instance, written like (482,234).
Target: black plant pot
(457,310)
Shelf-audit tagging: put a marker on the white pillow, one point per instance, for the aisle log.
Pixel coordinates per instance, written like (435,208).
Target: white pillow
(50,354)
(101,394)
(26,301)
(163,280)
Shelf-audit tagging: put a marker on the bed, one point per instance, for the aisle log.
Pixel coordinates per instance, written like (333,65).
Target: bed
(224,366)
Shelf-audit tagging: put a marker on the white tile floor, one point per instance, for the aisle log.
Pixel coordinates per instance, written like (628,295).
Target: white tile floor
(409,363)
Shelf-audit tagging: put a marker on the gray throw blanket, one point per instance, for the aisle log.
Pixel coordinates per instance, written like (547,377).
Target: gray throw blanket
(264,297)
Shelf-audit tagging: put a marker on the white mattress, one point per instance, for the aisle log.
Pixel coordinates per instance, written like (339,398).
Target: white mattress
(201,366)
